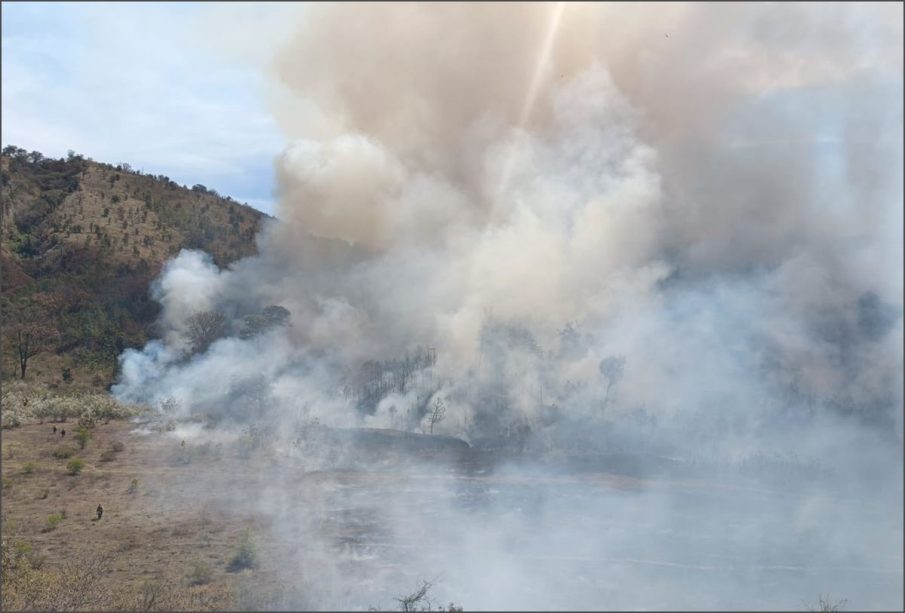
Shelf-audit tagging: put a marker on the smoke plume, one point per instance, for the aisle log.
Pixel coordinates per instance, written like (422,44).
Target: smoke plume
(671,228)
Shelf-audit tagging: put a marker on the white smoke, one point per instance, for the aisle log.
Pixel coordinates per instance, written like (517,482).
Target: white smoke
(707,195)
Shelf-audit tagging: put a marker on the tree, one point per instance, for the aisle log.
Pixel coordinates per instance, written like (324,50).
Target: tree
(270,317)
(30,333)
(276,315)
(611,369)
(204,328)
(438,413)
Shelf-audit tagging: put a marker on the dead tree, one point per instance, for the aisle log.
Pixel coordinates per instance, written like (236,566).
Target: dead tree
(417,600)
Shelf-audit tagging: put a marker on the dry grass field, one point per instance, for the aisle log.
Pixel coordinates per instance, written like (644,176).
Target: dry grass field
(154,531)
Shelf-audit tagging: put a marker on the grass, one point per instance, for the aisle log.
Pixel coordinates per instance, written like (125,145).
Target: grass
(200,575)
(28,468)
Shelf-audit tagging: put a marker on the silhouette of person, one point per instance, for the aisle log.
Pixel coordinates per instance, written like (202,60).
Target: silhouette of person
(100,511)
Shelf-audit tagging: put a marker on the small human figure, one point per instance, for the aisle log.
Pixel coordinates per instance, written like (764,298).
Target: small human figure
(100,511)
(182,444)
(62,433)
(54,429)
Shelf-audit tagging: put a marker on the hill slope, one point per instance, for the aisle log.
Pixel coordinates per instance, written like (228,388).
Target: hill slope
(81,243)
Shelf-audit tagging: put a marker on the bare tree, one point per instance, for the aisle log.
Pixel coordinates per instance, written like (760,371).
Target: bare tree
(204,328)
(419,601)
(29,332)
(825,604)
(438,413)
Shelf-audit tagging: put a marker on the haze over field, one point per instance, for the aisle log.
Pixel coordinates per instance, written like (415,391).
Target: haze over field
(662,235)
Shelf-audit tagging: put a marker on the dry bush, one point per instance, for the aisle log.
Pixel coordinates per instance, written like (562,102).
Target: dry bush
(108,456)
(419,601)
(24,402)
(64,453)
(79,584)
(76,586)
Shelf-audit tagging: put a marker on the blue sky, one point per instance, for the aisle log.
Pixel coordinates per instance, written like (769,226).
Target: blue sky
(171,88)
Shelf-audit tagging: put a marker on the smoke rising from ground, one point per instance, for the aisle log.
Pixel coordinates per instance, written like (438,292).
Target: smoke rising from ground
(679,232)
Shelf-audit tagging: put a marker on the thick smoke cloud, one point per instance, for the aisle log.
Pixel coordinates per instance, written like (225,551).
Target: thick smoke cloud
(669,228)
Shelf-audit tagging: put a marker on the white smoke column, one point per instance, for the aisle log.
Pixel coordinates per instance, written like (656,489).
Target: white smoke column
(696,225)
(664,152)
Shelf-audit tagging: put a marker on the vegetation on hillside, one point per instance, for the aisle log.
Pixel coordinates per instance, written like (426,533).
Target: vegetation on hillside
(81,243)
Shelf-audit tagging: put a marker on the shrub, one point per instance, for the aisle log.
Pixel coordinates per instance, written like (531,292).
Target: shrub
(200,575)
(82,436)
(63,453)
(133,486)
(52,522)
(247,555)
(108,456)
(118,446)
(75,466)
(28,468)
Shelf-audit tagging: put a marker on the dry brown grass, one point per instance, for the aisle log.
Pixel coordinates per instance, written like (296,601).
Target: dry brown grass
(150,551)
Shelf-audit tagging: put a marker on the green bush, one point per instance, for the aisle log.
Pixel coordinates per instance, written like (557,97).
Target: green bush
(52,522)
(28,468)
(247,555)
(82,436)
(75,466)
(64,453)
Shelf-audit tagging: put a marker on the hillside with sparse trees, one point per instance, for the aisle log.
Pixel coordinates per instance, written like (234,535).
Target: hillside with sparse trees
(81,243)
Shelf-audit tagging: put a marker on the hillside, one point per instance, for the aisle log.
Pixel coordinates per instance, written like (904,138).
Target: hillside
(81,243)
